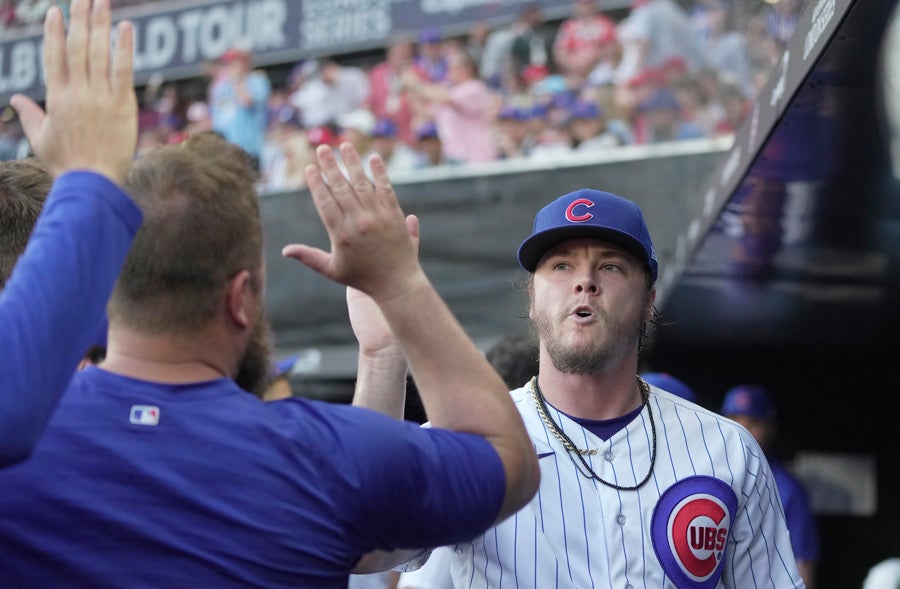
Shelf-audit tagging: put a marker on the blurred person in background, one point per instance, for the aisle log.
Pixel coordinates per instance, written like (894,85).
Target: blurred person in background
(669,383)
(753,406)
(387,97)
(333,90)
(287,153)
(398,157)
(428,146)
(430,60)
(725,48)
(580,39)
(238,102)
(591,130)
(663,121)
(513,132)
(656,31)
(463,110)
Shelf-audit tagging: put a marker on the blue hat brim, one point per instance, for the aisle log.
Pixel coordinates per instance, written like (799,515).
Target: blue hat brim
(533,249)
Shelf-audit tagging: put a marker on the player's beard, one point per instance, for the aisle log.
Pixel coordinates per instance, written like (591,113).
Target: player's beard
(615,339)
(253,371)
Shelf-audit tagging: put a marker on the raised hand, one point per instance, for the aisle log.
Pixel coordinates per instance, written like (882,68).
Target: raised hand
(371,246)
(91,117)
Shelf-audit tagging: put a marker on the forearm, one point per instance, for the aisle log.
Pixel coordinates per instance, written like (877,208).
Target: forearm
(459,389)
(55,300)
(381,383)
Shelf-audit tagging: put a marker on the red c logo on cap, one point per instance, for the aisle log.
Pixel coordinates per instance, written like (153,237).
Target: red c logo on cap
(570,211)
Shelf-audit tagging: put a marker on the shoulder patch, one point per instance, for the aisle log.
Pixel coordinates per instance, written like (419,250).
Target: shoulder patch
(690,528)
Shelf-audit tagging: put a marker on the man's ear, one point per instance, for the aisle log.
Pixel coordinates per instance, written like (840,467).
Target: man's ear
(237,300)
(651,303)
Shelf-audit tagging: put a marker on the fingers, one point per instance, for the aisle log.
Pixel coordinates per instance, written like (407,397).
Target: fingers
(77,42)
(30,115)
(328,208)
(412,225)
(358,179)
(54,51)
(123,60)
(340,189)
(384,190)
(98,43)
(311,257)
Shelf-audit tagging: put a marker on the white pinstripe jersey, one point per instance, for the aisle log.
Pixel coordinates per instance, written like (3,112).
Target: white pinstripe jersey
(708,517)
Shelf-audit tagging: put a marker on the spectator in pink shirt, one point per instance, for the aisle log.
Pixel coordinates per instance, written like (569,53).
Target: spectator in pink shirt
(387,99)
(463,110)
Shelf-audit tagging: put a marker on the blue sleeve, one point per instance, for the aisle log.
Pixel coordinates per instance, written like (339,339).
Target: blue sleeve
(801,522)
(55,300)
(404,486)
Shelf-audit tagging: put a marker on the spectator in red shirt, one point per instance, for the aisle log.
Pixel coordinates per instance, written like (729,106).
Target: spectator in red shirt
(580,39)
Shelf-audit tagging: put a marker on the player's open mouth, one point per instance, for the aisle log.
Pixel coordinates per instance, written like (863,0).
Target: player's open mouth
(583,312)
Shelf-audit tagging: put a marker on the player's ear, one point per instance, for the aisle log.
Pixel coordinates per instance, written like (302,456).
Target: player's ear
(238,303)
(651,304)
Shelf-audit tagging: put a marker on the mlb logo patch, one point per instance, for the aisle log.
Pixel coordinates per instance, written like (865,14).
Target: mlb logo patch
(144,415)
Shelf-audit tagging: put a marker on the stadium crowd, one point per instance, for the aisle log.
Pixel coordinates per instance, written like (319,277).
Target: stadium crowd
(659,71)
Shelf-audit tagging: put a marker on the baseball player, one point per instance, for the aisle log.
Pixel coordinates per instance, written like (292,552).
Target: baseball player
(752,406)
(639,487)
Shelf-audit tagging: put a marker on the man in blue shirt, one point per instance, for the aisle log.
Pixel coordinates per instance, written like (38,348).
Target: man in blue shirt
(752,406)
(239,102)
(159,454)
(53,303)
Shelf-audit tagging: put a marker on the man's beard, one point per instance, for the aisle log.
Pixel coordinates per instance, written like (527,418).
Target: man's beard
(593,357)
(254,370)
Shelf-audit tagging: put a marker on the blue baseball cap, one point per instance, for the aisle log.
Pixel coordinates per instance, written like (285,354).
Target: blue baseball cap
(284,366)
(384,128)
(585,109)
(588,213)
(750,400)
(669,383)
(430,35)
(426,130)
(512,113)
(660,100)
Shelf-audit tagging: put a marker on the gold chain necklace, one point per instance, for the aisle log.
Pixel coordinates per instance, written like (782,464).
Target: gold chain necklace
(570,447)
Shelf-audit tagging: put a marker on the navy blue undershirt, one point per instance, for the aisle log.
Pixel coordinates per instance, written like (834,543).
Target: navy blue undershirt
(605,428)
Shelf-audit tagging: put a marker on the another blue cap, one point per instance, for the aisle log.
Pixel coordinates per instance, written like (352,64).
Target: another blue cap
(750,400)
(538,111)
(430,35)
(426,130)
(284,367)
(669,383)
(660,100)
(585,109)
(565,100)
(512,113)
(384,128)
(591,214)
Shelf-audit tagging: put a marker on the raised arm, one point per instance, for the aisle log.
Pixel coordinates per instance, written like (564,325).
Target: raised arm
(54,301)
(372,250)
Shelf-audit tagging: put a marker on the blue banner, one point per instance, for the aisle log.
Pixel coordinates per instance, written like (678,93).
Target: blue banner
(175,41)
